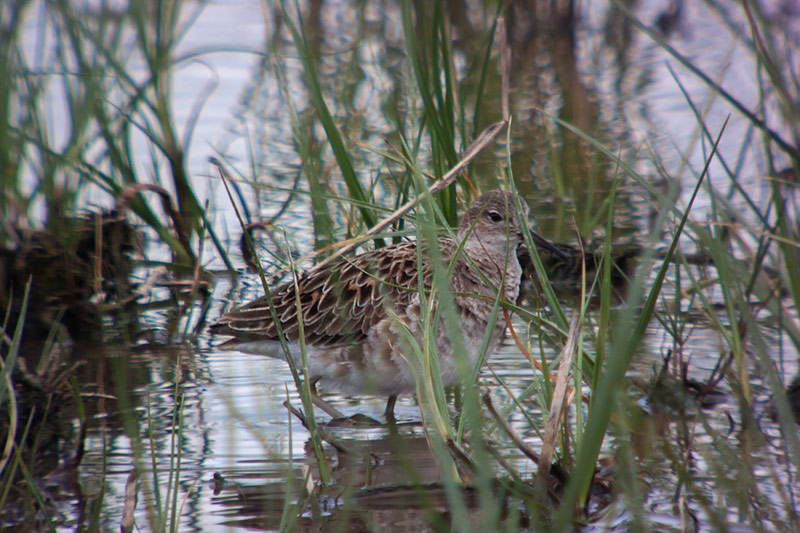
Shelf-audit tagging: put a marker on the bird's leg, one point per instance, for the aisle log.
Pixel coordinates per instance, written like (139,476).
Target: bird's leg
(317,400)
(389,411)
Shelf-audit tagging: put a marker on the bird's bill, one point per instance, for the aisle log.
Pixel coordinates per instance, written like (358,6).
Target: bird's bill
(545,244)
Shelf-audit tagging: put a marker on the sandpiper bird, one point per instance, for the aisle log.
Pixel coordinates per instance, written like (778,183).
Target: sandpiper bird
(357,313)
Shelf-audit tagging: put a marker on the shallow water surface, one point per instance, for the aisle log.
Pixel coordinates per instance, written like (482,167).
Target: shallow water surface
(215,422)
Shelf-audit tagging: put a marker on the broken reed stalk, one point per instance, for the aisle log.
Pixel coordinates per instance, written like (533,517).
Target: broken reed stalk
(560,399)
(553,377)
(483,140)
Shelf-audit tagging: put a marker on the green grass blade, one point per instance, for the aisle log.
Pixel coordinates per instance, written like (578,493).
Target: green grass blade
(605,397)
(326,119)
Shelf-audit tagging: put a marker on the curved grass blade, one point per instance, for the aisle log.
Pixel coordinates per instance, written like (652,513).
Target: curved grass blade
(619,357)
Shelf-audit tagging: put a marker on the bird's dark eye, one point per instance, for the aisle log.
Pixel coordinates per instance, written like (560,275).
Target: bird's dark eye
(494,216)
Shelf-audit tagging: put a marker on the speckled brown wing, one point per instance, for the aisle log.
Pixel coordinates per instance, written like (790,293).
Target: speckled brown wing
(339,303)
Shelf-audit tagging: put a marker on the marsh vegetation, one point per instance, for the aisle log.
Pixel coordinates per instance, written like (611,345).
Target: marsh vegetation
(646,382)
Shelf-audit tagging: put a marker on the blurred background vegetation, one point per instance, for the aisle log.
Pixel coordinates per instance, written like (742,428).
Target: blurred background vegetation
(663,136)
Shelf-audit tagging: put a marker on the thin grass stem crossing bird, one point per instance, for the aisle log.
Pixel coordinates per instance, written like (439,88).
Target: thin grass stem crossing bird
(360,315)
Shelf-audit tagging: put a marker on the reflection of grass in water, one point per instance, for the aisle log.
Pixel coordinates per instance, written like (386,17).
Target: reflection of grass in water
(745,280)
(432,131)
(618,336)
(111,81)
